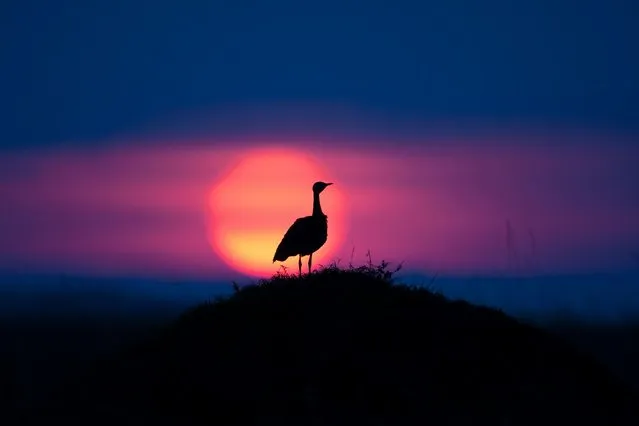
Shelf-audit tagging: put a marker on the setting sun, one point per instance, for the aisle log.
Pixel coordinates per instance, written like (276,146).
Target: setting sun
(255,203)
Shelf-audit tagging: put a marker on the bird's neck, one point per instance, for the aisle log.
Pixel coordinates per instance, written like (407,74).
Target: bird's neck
(317,208)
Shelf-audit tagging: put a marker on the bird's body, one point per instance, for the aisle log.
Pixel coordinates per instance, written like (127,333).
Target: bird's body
(307,234)
(304,237)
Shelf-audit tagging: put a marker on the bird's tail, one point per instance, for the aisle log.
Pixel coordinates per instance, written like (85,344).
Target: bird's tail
(280,255)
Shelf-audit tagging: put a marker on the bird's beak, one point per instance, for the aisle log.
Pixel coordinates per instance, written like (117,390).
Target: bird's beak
(329,183)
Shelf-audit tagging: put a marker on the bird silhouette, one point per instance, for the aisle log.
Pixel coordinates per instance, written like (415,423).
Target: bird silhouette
(307,234)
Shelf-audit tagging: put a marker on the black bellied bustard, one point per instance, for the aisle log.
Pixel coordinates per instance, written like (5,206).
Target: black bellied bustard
(307,234)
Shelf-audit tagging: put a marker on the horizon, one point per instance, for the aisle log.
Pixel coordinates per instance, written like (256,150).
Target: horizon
(600,298)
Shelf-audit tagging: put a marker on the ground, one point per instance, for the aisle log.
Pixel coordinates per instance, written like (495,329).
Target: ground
(347,346)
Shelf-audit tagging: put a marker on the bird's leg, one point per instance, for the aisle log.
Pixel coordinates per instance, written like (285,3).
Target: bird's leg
(300,265)
(310,260)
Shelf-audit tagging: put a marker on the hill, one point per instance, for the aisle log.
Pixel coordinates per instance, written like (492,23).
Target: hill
(348,347)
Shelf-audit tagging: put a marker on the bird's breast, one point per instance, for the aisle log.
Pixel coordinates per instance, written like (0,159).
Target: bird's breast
(316,235)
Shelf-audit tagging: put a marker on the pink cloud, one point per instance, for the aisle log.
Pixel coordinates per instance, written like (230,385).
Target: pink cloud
(141,208)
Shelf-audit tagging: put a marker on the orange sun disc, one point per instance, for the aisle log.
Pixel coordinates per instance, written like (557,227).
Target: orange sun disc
(252,207)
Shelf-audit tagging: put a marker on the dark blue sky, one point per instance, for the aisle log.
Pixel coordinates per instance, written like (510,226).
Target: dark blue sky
(81,71)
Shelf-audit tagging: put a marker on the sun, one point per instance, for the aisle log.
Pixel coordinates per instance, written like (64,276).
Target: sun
(252,206)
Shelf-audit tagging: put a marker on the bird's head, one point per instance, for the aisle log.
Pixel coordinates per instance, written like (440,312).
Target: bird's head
(320,186)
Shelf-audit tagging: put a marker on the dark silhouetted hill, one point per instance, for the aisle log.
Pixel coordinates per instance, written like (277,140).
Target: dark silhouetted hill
(616,345)
(348,347)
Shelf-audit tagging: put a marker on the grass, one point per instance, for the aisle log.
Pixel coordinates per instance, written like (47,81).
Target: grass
(347,346)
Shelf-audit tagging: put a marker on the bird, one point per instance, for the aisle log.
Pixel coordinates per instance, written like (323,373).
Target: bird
(307,234)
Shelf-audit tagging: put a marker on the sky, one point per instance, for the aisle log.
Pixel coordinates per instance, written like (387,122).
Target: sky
(86,72)
(126,127)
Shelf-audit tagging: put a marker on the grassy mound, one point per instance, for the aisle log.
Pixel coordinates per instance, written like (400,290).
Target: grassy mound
(351,347)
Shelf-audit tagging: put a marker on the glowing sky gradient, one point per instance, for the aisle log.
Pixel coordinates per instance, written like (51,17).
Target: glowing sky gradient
(437,205)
